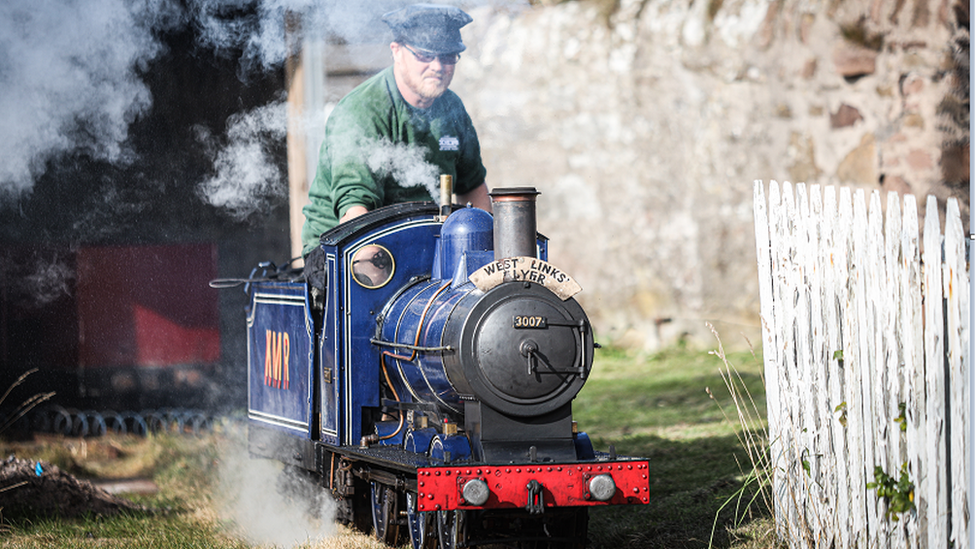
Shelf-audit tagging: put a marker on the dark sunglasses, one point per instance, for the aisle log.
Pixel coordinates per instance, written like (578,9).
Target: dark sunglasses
(427,57)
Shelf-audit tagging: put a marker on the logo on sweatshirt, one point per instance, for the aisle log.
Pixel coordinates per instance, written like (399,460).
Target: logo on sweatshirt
(450,143)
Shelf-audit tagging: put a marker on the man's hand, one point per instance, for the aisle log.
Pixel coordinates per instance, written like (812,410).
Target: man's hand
(353,212)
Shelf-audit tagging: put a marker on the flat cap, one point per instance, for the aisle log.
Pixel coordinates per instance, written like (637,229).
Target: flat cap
(431,27)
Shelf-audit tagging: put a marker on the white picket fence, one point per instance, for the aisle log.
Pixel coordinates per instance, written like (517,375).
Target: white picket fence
(866,349)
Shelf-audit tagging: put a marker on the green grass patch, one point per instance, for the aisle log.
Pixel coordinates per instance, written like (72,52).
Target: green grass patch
(165,530)
(678,393)
(674,408)
(175,519)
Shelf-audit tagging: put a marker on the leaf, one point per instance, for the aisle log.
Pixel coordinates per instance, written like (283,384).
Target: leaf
(901,420)
(899,496)
(842,408)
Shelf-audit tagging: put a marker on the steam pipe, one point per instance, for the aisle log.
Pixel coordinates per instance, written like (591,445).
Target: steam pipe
(514,224)
(447,191)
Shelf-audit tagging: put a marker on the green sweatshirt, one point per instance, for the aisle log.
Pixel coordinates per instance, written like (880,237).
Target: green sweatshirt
(379,150)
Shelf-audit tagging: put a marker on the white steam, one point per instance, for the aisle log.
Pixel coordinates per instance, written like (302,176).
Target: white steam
(261,38)
(68,81)
(405,163)
(37,279)
(247,178)
(48,281)
(267,504)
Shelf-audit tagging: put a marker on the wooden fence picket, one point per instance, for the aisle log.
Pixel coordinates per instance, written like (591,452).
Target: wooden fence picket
(957,329)
(769,335)
(865,337)
(831,256)
(910,313)
(892,363)
(785,247)
(855,360)
(933,476)
(817,376)
(804,338)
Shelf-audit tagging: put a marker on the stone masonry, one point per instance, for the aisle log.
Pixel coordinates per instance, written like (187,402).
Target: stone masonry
(645,123)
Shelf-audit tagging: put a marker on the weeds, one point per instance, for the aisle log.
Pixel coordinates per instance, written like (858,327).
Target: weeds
(751,432)
(899,495)
(24,407)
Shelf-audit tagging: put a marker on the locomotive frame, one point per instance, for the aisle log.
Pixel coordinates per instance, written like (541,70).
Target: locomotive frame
(418,399)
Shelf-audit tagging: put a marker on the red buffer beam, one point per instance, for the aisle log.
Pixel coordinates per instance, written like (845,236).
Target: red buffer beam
(533,486)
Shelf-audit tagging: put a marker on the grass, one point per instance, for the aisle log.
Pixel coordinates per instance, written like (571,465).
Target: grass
(179,466)
(174,530)
(187,505)
(669,407)
(664,394)
(672,407)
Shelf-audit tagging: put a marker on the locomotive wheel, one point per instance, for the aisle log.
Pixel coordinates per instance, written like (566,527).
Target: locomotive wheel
(423,532)
(386,513)
(352,497)
(450,528)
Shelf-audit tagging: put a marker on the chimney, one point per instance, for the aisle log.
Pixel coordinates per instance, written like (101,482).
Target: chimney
(515,229)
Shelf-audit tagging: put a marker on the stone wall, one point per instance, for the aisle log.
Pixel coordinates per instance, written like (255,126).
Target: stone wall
(644,125)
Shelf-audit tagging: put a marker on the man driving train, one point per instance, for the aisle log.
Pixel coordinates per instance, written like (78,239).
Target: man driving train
(390,139)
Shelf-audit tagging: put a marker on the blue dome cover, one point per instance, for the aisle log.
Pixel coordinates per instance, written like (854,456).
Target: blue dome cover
(466,230)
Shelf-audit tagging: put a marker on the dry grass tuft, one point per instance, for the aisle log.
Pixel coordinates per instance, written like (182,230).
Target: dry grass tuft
(757,473)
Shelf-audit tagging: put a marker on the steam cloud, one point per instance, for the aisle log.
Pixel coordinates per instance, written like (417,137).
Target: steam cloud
(262,38)
(48,281)
(267,504)
(69,71)
(247,178)
(68,81)
(405,163)
(37,280)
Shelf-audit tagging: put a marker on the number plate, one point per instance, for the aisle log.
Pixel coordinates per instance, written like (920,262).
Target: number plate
(531,322)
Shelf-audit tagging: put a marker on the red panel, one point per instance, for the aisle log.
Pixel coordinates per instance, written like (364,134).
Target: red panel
(160,341)
(147,306)
(563,485)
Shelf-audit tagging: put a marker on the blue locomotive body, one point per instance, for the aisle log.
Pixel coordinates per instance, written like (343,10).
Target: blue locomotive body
(348,374)
(425,352)
(279,340)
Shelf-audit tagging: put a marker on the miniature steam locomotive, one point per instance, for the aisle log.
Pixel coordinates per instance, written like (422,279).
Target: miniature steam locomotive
(430,384)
